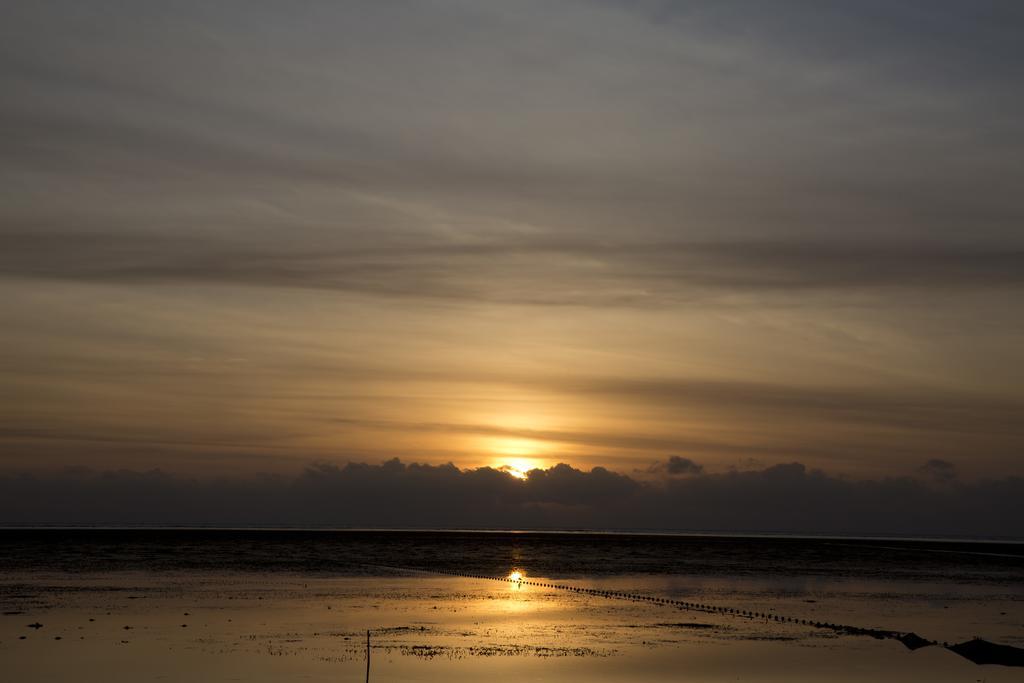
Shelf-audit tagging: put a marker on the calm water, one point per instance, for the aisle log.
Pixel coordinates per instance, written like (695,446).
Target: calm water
(552,554)
(286,605)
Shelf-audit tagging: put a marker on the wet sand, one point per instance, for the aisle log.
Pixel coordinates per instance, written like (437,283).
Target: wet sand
(223,626)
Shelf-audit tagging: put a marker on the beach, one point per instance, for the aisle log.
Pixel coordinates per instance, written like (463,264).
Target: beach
(235,607)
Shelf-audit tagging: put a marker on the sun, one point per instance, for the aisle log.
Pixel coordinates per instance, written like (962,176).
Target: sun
(516,456)
(517,467)
(515,575)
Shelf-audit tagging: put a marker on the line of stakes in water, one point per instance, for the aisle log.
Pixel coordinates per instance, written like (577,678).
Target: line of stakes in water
(977,650)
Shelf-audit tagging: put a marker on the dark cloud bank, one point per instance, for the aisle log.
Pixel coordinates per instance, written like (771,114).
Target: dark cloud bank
(782,498)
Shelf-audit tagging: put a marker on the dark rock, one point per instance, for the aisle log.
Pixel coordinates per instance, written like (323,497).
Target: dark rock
(912,641)
(983,652)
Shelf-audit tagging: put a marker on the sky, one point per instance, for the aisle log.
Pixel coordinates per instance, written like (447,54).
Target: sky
(241,239)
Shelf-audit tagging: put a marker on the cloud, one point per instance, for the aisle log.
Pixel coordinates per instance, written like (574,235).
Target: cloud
(783,498)
(680,465)
(941,471)
(676,465)
(539,134)
(512,271)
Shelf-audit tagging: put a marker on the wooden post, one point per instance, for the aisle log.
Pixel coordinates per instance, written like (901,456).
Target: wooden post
(367,655)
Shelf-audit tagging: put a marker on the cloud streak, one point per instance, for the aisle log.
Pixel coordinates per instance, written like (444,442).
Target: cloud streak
(525,273)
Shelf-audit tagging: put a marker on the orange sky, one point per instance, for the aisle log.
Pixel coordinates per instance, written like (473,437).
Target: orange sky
(244,241)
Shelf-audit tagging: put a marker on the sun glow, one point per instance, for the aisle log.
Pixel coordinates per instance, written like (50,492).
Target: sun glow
(518,467)
(516,575)
(515,446)
(516,456)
